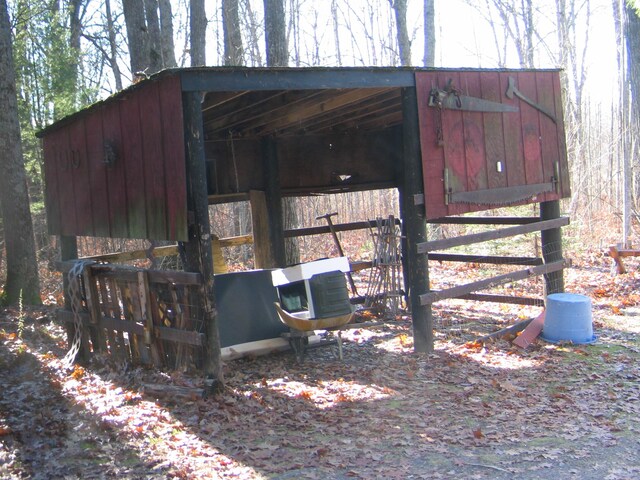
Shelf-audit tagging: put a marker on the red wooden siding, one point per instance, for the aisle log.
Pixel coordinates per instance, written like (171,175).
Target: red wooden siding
(468,144)
(142,194)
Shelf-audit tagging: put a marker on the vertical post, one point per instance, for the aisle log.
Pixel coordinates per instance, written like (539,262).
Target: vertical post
(262,254)
(414,225)
(198,249)
(552,247)
(273,197)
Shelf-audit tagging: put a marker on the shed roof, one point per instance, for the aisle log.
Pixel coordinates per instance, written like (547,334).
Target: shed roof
(251,102)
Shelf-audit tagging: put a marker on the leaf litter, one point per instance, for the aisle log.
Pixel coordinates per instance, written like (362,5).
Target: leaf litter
(467,410)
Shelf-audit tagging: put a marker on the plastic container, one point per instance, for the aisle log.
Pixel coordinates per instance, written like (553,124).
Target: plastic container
(568,319)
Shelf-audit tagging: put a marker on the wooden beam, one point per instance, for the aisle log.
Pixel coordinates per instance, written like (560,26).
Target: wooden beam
(492,235)
(483,297)
(234,79)
(163,251)
(216,199)
(489,220)
(617,254)
(462,290)
(127,273)
(321,107)
(262,252)
(414,226)
(495,260)
(199,258)
(338,227)
(273,200)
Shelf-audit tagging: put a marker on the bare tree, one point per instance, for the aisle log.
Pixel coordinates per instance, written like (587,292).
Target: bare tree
(198,32)
(156,62)
(404,44)
(22,269)
(166,34)
(278,56)
(137,35)
(150,35)
(630,54)
(233,48)
(113,46)
(275,33)
(429,33)
(336,30)
(516,23)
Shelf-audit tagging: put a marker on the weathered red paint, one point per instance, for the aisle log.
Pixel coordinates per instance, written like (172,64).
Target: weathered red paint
(129,198)
(469,145)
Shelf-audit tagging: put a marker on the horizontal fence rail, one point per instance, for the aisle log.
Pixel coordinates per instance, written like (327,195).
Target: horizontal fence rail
(425,247)
(461,290)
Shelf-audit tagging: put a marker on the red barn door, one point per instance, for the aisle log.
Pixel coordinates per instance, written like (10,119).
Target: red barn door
(490,138)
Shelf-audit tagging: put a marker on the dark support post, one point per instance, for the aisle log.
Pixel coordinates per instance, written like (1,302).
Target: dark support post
(198,249)
(552,247)
(414,225)
(273,197)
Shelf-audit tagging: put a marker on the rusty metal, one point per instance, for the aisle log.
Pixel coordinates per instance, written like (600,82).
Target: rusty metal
(513,90)
(501,196)
(454,101)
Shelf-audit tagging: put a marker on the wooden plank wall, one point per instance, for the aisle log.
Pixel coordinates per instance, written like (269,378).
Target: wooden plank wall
(470,144)
(306,162)
(142,194)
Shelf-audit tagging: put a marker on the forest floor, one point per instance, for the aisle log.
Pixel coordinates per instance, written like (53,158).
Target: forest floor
(468,410)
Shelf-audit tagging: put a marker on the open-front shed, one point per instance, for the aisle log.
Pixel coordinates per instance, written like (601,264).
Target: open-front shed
(148,161)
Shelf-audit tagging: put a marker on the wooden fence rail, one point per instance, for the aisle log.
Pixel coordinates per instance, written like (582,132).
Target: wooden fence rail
(141,316)
(538,266)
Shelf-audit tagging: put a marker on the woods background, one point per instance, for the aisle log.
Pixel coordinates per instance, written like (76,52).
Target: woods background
(70,53)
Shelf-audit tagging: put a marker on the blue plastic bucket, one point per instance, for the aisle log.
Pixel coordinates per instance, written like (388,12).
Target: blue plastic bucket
(568,319)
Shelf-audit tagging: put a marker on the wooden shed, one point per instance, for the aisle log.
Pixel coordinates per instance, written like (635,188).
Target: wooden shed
(147,162)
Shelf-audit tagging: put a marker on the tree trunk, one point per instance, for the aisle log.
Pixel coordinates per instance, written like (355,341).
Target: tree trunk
(113,47)
(136,35)
(22,269)
(166,34)
(633,68)
(75,24)
(275,33)
(336,31)
(404,45)
(429,33)
(233,48)
(156,62)
(253,28)
(198,32)
(278,56)
(630,99)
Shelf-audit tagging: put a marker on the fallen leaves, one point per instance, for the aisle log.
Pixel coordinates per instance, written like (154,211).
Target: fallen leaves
(382,413)
(78,372)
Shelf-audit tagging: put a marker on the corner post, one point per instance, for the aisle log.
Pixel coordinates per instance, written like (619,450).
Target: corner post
(551,241)
(414,224)
(198,249)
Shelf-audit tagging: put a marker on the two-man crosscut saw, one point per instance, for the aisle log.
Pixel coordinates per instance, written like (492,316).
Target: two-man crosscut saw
(450,99)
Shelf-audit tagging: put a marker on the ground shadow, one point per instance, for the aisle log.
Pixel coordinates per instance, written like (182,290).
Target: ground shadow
(384,412)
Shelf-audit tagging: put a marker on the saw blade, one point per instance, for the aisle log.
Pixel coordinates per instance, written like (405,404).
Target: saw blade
(502,196)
